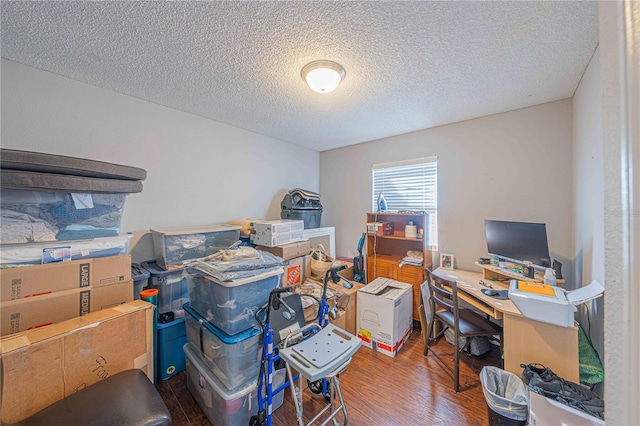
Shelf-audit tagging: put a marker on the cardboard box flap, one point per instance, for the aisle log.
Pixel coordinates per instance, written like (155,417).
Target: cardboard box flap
(42,366)
(385,287)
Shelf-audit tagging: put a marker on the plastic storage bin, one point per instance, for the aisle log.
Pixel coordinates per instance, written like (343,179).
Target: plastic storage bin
(140,277)
(311,217)
(235,360)
(31,216)
(220,406)
(172,288)
(172,337)
(172,246)
(58,251)
(230,306)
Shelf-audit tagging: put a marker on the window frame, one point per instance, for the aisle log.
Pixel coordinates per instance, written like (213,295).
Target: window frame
(429,202)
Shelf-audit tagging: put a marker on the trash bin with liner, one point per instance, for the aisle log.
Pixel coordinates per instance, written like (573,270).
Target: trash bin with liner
(506,396)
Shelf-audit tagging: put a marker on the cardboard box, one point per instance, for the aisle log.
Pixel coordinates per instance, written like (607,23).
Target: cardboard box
(546,411)
(39,311)
(289,251)
(42,366)
(347,304)
(384,318)
(298,269)
(18,283)
(381,229)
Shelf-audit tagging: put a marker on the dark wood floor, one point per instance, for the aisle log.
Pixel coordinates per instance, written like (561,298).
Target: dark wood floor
(378,390)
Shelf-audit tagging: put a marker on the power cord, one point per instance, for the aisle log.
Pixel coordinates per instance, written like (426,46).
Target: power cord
(375,245)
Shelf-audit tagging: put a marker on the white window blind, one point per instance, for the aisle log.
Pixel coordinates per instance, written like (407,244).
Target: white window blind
(409,185)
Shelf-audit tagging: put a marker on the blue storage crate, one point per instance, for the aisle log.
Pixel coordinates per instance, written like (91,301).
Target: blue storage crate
(140,277)
(172,337)
(235,360)
(173,291)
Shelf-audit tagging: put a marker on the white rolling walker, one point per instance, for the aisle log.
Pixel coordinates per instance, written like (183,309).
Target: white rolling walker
(323,356)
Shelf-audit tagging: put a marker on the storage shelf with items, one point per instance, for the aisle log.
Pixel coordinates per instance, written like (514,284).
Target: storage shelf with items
(492,272)
(397,248)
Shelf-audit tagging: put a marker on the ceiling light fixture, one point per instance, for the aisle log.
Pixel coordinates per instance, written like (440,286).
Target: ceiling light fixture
(323,76)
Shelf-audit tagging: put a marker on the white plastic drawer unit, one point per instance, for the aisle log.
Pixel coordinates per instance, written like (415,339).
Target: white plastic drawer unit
(173,246)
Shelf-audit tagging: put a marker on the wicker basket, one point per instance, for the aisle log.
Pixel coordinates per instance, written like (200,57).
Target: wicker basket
(320,261)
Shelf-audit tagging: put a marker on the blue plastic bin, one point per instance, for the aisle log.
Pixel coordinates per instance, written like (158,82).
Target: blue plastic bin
(172,337)
(173,291)
(235,360)
(140,277)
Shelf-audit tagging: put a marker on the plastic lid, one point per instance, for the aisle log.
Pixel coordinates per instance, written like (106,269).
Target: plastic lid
(243,281)
(224,337)
(186,230)
(155,269)
(149,293)
(138,272)
(213,381)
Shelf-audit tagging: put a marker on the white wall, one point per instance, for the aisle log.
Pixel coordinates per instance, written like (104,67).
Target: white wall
(510,166)
(619,34)
(588,195)
(199,171)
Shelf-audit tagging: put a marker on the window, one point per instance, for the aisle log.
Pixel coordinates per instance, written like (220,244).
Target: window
(409,185)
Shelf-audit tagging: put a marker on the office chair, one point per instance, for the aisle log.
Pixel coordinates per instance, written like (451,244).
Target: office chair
(445,310)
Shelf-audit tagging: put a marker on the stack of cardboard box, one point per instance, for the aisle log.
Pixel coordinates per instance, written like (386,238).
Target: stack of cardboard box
(38,295)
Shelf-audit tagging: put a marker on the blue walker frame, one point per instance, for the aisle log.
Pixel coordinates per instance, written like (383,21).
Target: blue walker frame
(264,416)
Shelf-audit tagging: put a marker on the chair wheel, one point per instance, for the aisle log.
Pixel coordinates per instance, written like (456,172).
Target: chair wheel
(315,387)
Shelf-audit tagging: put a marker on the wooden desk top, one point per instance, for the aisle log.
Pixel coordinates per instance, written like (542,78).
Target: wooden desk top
(469,284)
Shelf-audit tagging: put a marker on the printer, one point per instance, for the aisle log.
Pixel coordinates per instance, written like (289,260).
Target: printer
(550,304)
(301,204)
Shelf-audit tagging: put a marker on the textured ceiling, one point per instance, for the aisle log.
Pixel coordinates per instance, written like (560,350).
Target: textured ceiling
(410,65)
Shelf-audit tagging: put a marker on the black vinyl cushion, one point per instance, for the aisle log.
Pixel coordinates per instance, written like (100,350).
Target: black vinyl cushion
(127,398)
(34,181)
(13,159)
(470,323)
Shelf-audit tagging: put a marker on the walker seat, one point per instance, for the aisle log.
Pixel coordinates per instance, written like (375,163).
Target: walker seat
(319,356)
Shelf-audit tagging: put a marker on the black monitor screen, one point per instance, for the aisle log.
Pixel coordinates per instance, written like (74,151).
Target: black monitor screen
(518,241)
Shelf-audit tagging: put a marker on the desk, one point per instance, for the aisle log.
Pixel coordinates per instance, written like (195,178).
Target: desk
(525,341)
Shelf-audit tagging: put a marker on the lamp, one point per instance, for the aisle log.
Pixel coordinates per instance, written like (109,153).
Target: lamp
(323,76)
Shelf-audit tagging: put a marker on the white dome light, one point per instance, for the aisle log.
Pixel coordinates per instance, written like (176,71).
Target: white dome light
(323,76)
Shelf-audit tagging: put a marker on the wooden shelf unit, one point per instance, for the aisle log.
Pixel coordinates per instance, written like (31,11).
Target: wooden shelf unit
(384,253)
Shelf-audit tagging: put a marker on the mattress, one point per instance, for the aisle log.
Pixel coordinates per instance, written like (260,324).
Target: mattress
(11,159)
(36,181)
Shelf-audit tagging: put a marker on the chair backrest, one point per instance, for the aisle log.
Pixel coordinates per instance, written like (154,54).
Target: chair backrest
(443,294)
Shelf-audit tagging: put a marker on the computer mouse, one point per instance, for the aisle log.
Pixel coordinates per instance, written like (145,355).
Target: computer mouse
(490,292)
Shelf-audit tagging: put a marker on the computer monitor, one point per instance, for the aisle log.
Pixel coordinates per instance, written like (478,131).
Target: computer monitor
(518,242)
